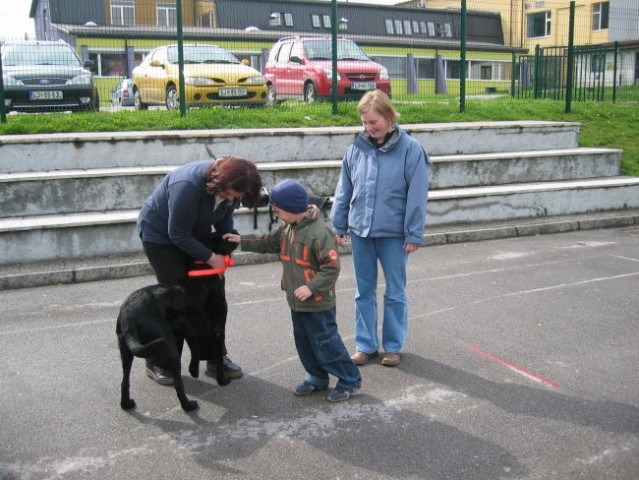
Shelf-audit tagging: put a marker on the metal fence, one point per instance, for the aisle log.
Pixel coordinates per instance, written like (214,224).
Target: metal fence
(424,51)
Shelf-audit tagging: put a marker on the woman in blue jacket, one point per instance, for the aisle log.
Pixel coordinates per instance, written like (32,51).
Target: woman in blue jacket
(380,203)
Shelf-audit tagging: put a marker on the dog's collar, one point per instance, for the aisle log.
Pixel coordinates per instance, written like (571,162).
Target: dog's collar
(228,261)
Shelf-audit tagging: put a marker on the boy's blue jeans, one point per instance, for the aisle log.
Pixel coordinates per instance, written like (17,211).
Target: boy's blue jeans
(322,351)
(392,257)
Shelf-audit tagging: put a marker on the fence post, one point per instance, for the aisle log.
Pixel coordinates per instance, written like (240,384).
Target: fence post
(334,44)
(614,74)
(462,60)
(3,112)
(571,56)
(513,65)
(537,73)
(180,39)
(411,74)
(440,75)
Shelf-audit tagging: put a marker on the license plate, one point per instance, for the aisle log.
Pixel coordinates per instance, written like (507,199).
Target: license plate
(46,95)
(233,92)
(363,86)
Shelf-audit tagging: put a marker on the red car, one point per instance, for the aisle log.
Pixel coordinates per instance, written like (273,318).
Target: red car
(301,68)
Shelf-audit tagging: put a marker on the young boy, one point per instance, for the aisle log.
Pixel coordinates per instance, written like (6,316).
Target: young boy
(308,252)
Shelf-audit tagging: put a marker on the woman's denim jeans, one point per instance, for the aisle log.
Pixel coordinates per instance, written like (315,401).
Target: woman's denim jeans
(322,351)
(392,257)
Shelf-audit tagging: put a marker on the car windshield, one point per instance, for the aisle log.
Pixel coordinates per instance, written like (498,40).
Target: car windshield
(202,54)
(321,50)
(39,55)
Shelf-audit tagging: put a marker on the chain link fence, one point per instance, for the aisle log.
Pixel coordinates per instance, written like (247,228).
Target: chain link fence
(138,54)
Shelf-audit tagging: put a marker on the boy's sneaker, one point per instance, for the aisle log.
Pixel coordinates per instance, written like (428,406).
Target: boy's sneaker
(340,394)
(306,388)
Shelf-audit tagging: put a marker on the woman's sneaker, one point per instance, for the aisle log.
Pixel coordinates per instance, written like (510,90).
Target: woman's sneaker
(306,388)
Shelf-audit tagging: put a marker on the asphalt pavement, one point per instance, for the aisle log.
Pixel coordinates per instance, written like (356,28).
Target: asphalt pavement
(521,363)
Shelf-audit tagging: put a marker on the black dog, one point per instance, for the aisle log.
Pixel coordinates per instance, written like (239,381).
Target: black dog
(155,321)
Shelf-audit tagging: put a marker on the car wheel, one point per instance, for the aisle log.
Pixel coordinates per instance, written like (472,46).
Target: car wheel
(310,92)
(137,101)
(172,98)
(271,97)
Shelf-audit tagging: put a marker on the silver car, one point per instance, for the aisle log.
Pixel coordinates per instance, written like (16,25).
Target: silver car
(43,76)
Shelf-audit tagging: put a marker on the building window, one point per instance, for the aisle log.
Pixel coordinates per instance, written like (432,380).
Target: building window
(539,24)
(316,21)
(415,26)
(122,12)
(600,15)
(431,29)
(389,26)
(343,24)
(486,72)
(327,21)
(167,14)
(443,30)
(408,27)
(448,31)
(205,20)
(398,27)
(275,19)
(288,19)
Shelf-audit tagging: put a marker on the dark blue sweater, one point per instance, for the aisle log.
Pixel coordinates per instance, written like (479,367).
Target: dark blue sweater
(180,212)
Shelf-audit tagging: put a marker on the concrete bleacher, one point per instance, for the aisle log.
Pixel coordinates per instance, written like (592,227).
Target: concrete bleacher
(72,199)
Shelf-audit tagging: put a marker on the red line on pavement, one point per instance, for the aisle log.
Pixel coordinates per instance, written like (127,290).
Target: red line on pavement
(516,368)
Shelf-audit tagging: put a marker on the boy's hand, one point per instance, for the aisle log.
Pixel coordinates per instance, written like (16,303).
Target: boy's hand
(303,293)
(232,237)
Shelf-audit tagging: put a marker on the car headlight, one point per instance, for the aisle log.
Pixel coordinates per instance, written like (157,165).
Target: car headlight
(329,74)
(255,80)
(198,81)
(10,81)
(383,74)
(81,80)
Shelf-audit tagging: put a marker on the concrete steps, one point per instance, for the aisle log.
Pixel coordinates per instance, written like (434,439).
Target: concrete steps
(106,189)
(85,202)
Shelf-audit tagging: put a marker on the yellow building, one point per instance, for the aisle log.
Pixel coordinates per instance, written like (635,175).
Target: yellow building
(528,23)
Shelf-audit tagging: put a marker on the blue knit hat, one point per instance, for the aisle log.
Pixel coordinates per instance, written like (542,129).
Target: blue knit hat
(290,196)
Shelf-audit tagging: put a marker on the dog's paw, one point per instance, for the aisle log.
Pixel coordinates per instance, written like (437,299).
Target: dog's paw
(189,406)
(127,404)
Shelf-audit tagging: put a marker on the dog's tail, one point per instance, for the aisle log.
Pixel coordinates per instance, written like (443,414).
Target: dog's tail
(138,349)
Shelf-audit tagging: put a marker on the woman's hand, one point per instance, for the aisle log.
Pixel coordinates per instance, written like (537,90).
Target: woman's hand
(410,247)
(216,261)
(341,239)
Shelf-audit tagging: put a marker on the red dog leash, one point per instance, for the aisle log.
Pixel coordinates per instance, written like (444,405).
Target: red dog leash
(228,261)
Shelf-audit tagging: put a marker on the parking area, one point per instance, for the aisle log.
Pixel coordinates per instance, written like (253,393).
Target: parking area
(521,363)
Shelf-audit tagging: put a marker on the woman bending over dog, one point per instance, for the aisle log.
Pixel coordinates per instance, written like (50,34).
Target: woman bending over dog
(177,217)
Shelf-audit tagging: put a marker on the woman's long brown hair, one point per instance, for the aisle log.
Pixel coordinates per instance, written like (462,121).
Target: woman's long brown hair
(237,173)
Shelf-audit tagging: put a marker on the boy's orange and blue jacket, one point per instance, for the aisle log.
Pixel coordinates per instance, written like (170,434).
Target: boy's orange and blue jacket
(308,253)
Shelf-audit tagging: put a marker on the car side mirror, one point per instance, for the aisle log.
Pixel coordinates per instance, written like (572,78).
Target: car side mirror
(245,62)
(89,65)
(295,59)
